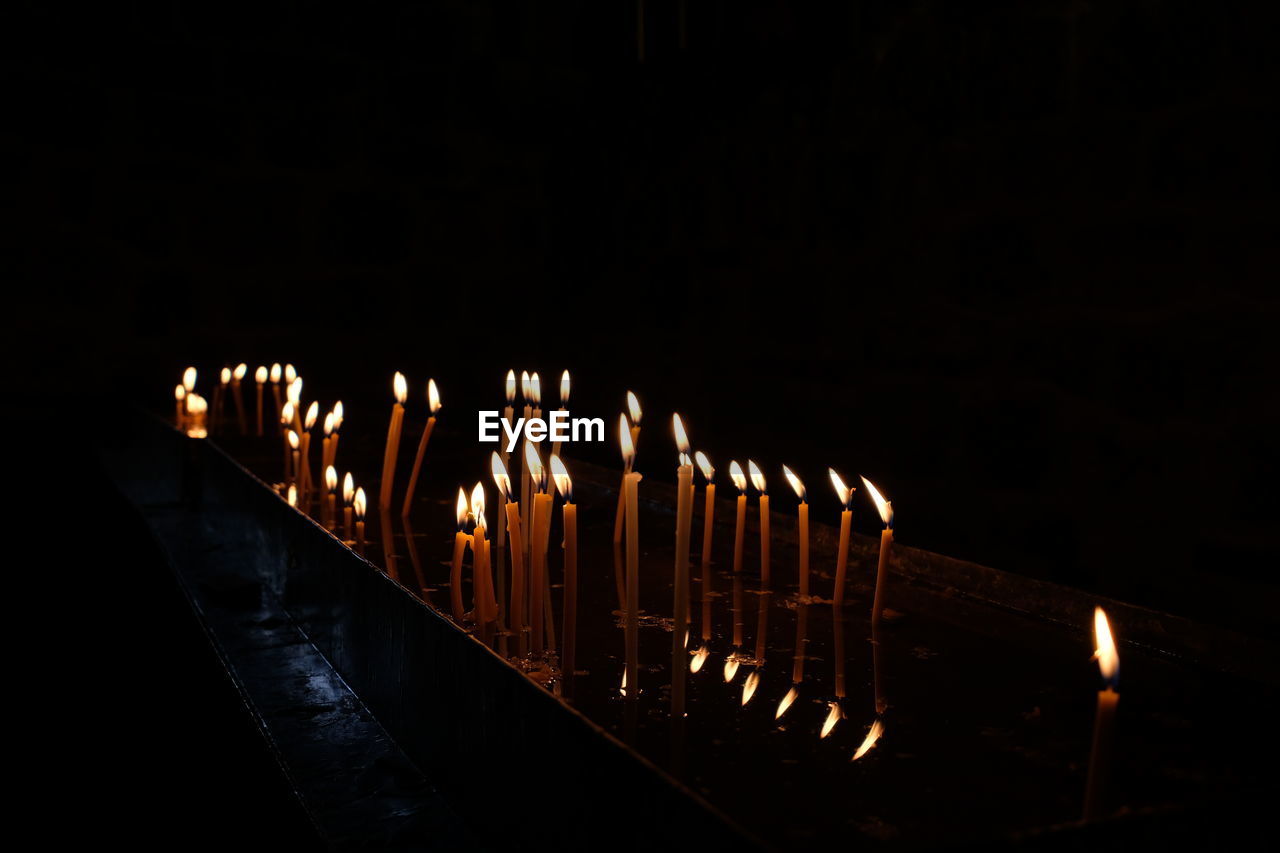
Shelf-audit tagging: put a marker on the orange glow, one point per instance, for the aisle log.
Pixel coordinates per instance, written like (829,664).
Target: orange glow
(560,474)
(731,664)
(877,729)
(535,385)
(293,496)
(757,477)
(348,488)
(511,387)
(276,372)
(313,412)
(633,406)
(500,478)
(360,503)
(225,376)
(525,393)
(290,374)
(624,439)
(328,424)
(260,375)
(286,413)
(708,472)
(682,438)
(843,492)
(477,503)
(196,405)
(786,703)
(884,507)
(564,389)
(189,379)
(338,413)
(433,396)
(294,393)
(622,688)
(749,687)
(833,717)
(1105,653)
(331,478)
(796,484)
(240,371)
(536,471)
(739,479)
(179,393)
(400,387)
(293,439)
(699,658)
(461,508)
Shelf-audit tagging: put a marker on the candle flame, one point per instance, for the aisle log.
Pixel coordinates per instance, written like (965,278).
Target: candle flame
(833,717)
(331,478)
(461,508)
(535,385)
(1105,653)
(749,687)
(189,379)
(225,376)
(560,474)
(477,504)
(708,472)
(360,503)
(276,371)
(313,412)
(260,375)
(433,396)
(633,405)
(500,478)
(884,507)
(699,658)
(682,438)
(564,389)
(877,729)
(534,461)
(290,373)
(294,392)
(348,488)
(526,395)
(179,392)
(293,439)
(338,413)
(240,371)
(196,405)
(328,424)
(731,664)
(622,688)
(286,413)
(739,479)
(785,704)
(293,496)
(624,439)
(400,386)
(511,387)
(757,477)
(842,491)
(796,484)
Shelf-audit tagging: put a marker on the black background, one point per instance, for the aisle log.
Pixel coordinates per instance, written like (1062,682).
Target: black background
(1013,261)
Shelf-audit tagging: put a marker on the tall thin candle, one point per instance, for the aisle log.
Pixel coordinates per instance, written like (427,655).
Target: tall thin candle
(564,485)
(433,404)
(348,495)
(1105,718)
(846,526)
(757,480)
(680,604)
(633,406)
(360,504)
(538,535)
(708,524)
(276,372)
(802,512)
(516,609)
(740,528)
(885,508)
(630,488)
(260,379)
(401,389)
(460,542)
(237,376)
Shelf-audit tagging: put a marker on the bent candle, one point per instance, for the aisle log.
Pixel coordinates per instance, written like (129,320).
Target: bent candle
(433,404)
(885,508)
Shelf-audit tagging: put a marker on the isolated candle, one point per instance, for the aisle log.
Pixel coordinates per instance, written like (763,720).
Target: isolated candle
(886,539)
(1104,720)
(260,378)
(460,542)
(570,518)
(757,480)
(433,403)
(846,525)
(802,512)
(401,389)
(740,528)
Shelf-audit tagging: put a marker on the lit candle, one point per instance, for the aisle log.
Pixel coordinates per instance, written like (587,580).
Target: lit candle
(338,413)
(308,424)
(401,389)
(348,495)
(834,715)
(189,379)
(885,509)
(564,407)
(180,405)
(708,523)
(433,405)
(289,374)
(633,406)
(569,515)
(508,412)
(503,482)
(292,495)
(803,511)
(757,480)
(327,445)
(480,578)
(526,397)
(1104,722)
(461,540)
(680,604)
(846,525)
(331,487)
(360,503)
(219,396)
(294,444)
(274,375)
(197,411)
(260,379)
(236,377)
(630,488)
(286,420)
(873,735)
(294,395)
(740,528)
(539,531)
